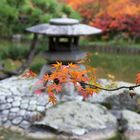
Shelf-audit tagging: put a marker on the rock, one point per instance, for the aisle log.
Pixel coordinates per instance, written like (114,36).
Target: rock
(5,106)
(22,112)
(2,99)
(15,109)
(24,106)
(32,107)
(33,102)
(17,120)
(5,112)
(25,124)
(12,115)
(78,118)
(4,118)
(42,100)
(119,99)
(68,89)
(10,100)
(131,124)
(16,104)
(7,124)
(101,97)
(40,108)
(123,101)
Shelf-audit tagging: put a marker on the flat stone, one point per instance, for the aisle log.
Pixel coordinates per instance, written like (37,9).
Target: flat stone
(16,104)
(7,124)
(22,112)
(24,106)
(15,109)
(40,108)
(0,122)
(32,107)
(17,98)
(5,112)
(9,100)
(4,118)
(2,99)
(33,102)
(15,91)
(25,124)
(67,117)
(5,106)
(42,100)
(12,115)
(28,116)
(17,120)
(131,124)
(25,101)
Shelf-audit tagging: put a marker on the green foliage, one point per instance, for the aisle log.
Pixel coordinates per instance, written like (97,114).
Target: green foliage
(120,66)
(14,52)
(17,15)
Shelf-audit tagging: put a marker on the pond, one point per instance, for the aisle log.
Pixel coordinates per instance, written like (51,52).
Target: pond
(117,67)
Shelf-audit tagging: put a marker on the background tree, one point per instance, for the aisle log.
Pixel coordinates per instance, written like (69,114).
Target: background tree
(17,15)
(121,16)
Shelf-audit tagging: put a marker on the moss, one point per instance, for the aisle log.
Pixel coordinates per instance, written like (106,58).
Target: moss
(119,136)
(107,105)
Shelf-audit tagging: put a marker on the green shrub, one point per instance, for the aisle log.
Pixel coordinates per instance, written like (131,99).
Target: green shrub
(16,15)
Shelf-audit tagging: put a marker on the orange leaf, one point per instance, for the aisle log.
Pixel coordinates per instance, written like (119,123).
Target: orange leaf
(138,78)
(56,87)
(46,77)
(52,99)
(57,65)
(73,66)
(29,73)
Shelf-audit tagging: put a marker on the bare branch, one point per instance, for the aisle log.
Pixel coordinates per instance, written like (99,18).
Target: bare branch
(113,89)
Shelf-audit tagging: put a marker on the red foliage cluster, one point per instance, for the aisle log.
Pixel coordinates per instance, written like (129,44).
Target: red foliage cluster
(130,25)
(121,15)
(53,83)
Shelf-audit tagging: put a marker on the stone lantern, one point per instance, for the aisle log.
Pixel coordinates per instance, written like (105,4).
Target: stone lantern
(63,40)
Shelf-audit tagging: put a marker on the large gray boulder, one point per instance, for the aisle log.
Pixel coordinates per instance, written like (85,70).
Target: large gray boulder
(119,99)
(80,119)
(131,124)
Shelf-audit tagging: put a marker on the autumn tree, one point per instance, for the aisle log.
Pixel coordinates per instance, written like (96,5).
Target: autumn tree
(121,16)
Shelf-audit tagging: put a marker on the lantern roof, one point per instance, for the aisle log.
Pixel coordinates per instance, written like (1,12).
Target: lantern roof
(64,27)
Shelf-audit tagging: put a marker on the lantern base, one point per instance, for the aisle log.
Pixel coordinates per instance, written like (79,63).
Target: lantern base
(49,69)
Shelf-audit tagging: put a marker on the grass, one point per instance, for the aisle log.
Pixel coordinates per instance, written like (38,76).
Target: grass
(113,43)
(122,67)
(13,53)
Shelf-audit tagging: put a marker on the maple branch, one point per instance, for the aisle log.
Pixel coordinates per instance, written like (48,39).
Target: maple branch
(113,89)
